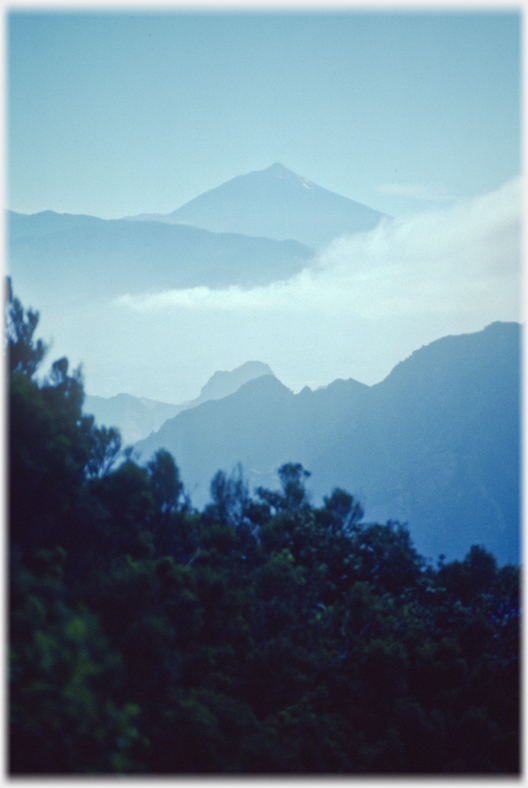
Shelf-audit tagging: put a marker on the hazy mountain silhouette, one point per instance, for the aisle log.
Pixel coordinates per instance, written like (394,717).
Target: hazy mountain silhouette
(55,257)
(223,383)
(275,203)
(435,444)
(253,230)
(20,225)
(137,417)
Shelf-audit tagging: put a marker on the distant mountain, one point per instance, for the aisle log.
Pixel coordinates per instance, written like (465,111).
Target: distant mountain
(274,203)
(253,230)
(436,444)
(138,417)
(135,417)
(223,383)
(55,257)
(23,225)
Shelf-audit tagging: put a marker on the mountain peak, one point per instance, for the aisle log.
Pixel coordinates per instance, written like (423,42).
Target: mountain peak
(280,172)
(223,383)
(278,166)
(279,169)
(276,203)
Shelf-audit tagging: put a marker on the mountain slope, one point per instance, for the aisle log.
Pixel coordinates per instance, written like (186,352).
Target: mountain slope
(275,203)
(137,417)
(439,445)
(223,382)
(57,256)
(435,444)
(246,427)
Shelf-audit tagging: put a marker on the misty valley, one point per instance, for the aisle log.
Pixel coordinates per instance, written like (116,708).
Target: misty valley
(253,580)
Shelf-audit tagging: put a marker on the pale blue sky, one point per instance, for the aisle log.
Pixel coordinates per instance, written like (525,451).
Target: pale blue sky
(115,114)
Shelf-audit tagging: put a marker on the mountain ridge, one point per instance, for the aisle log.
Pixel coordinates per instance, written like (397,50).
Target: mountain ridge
(57,257)
(440,452)
(137,417)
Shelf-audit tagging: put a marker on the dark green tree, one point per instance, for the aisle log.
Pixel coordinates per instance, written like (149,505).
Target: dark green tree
(24,354)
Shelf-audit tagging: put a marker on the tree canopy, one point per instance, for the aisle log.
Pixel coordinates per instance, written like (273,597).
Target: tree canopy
(263,635)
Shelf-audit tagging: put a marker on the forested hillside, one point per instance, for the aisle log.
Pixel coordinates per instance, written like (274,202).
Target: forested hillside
(260,635)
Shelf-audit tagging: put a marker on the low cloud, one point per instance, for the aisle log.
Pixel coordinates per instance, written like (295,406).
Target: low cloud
(464,259)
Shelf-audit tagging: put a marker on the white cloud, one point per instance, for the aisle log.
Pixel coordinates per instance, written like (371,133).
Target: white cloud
(464,259)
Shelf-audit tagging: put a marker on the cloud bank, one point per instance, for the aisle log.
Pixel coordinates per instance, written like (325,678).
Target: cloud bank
(462,260)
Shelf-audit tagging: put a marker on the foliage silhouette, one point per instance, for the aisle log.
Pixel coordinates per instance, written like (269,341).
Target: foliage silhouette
(263,635)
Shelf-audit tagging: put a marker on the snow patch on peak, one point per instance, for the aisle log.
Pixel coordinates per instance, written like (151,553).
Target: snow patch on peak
(278,170)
